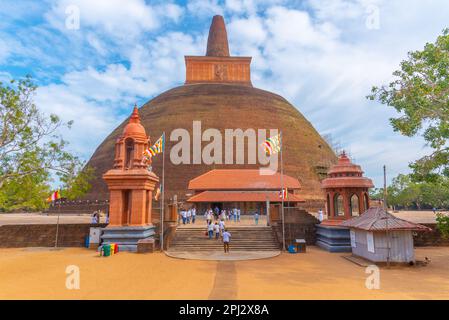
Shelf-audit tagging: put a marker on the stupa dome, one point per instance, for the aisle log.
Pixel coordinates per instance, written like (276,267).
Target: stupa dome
(218,92)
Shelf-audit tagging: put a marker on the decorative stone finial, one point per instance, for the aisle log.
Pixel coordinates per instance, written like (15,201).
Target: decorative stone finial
(134,128)
(135,118)
(217,42)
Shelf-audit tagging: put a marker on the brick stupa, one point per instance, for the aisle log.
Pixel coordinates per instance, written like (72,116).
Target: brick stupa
(218,91)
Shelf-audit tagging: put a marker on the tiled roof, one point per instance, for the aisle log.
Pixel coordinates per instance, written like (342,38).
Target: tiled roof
(377,219)
(241,179)
(347,182)
(241,196)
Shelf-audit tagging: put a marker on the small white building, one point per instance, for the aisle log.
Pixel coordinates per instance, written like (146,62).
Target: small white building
(379,236)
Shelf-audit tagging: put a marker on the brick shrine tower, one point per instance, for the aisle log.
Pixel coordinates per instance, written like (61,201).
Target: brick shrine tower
(218,66)
(131,187)
(347,196)
(346,191)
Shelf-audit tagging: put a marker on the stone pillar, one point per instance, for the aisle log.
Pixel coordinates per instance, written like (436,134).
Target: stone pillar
(116,208)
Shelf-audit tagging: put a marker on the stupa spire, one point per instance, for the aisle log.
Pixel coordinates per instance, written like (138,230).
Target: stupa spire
(135,118)
(217,42)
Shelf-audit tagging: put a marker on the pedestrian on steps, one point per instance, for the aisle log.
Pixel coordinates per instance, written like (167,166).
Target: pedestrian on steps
(210,229)
(209,217)
(226,240)
(217,230)
(193,215)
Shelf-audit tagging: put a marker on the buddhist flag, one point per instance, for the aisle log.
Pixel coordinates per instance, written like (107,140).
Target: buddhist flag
(54,196)
(283,194)
(272,145)
(156,148)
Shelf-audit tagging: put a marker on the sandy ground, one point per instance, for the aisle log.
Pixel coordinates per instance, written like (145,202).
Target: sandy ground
(41,274)
(418,216)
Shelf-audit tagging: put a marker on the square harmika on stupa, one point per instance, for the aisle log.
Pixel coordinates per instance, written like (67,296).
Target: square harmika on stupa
(218,92)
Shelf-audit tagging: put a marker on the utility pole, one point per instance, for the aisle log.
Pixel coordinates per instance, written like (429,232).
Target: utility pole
(386,216)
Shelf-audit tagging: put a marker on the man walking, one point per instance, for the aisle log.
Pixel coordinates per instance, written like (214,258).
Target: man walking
(256,217)
(209,216)
(193,214)
(184,216)
(189,215)
(222,226)
(210,229)
(217,230)
(226,240)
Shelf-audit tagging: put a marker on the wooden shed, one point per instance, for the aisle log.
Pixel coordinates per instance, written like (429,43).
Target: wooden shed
(379,236)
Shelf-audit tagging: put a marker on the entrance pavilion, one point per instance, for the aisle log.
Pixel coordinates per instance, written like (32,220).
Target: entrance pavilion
(245,189)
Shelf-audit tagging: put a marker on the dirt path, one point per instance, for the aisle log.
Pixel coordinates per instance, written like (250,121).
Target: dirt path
(225,283)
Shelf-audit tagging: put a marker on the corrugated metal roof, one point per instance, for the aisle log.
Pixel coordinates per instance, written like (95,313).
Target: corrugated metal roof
(241,196)
(241,179)
(377,219)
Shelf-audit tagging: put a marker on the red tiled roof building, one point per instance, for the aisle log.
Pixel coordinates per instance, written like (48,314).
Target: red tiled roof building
(246,189)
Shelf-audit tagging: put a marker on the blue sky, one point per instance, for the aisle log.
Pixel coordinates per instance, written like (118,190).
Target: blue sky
(323,56)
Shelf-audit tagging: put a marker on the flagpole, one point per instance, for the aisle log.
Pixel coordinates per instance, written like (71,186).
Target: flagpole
(282,193)
(163,192)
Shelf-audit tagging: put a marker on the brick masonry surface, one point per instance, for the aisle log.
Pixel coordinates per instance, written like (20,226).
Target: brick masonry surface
(427,239)
(44,235)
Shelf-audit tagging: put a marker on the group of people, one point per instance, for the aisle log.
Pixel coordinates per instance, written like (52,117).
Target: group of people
(188,216)
(224,214)
(95,217)
(218,228)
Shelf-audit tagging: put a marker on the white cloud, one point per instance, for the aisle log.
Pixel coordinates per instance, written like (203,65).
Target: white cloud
(4,51)
(119,21)
(92,121)
(205,8)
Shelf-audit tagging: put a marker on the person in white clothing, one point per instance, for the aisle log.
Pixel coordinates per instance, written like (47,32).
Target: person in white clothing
(320,215)
(226,240)
(208,217)
(210,229)
(184,216)
(222,225)
(217,230)
(193,214)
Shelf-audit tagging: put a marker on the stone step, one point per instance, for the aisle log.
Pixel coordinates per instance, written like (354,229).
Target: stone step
(248,238)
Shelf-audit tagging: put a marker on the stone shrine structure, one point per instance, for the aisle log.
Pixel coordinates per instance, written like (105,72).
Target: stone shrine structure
(346,191)
(131,187)
(347,196)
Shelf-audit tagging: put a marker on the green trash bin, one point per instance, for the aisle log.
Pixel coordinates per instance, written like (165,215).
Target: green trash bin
(106,250)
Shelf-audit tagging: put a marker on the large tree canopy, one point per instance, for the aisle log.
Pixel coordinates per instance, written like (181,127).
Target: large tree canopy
(32,151)
(420,93)
(406,193)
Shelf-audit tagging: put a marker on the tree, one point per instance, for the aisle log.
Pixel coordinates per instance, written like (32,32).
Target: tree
(405,192)
(420,93)
(31,151)
(443,224)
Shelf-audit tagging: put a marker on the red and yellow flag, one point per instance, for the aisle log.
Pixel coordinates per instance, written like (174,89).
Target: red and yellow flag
(54,196)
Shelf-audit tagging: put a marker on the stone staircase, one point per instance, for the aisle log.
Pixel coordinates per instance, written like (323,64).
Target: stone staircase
(244,238)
